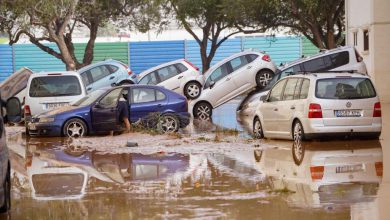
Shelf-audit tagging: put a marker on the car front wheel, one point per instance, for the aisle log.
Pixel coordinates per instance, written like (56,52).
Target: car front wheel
(168,123)
(75,128)
(192,90)
(203,111)
(263,78)
(257,129)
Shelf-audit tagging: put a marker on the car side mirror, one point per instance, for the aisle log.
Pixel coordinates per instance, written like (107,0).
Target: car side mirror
(264,98)
(212,83)
(97,105)
(13,110)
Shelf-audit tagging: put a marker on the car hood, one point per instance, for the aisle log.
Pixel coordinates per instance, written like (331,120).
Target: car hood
(64,110)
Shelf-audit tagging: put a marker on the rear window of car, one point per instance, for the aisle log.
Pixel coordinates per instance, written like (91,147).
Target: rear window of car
(345,88)
(51,86)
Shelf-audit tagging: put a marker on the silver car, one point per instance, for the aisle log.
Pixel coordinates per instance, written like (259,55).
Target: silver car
(307,106)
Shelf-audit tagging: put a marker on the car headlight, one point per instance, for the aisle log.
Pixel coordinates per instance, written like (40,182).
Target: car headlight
(46,120)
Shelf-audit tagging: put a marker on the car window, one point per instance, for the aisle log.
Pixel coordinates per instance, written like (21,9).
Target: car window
(90,98)
(339,59)
(112,68)
(304,89)
(149,79)
(276,92)
(288,93)
(160,96)
(85,78)
(238,62)
(318,64)
(99,72)
(111,99)
(251,57)
(167,72)
(289,71)
(298,89)
(50,86)
(181,67)
(141,95)
(217,75)
(345,88)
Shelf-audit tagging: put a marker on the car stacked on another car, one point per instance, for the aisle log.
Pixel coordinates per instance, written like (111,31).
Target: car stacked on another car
(232,77)
(317,105)
(99,112)
(106,73)
(180,76)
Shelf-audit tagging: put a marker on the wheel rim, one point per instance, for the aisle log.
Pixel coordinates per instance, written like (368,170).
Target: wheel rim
(298,132)
(168,124)
(298,150)
(203,112)
(265,78)
(257,129)
(193,90)
(75,129)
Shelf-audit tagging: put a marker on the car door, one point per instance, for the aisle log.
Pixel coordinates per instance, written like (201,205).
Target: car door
(240,68)
(169,77)
(287,107)
(146,101)
(223,87)
(101,77)
(270,108)
(105,112)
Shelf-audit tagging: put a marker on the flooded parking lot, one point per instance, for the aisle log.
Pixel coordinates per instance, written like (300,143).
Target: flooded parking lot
(197,175)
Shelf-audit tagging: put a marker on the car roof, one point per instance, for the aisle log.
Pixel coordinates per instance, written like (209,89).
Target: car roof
(248,51)
(145,72)
(321,75)
(320,54)
(108,61)
(56,73)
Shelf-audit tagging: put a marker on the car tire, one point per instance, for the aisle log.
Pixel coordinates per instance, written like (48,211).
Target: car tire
(203,111)
(298,134)
(7,192)
(257,129)
(298,152)
(75,128)
(263,78)
(192,90)
(168,123)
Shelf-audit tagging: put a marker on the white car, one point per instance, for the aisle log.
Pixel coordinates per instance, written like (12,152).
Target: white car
(232,77)
(317,105)
(180,76)
(51,90)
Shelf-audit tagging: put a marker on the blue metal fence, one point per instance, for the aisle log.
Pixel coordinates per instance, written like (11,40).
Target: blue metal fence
(6,61)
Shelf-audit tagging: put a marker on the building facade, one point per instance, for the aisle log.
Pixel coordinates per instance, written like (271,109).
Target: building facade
(368,29)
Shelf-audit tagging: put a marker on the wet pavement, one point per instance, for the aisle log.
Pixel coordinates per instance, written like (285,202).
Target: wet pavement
(54,179)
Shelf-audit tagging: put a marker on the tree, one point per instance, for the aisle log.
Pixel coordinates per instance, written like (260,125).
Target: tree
(213,18)
(55,20)
(321,21)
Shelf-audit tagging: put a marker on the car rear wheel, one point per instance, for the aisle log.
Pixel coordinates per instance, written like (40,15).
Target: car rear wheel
(203,111)
(263,78)
(257,129)
(75,128)
(7,192)
(298,133)
(192,90)
(168,123)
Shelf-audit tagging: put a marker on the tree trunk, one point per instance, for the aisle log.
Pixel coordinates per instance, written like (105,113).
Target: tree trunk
(66,56)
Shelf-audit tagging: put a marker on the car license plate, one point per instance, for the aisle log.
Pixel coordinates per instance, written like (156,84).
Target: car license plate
(56,105)
(350,168)
(348,113)
(32,126)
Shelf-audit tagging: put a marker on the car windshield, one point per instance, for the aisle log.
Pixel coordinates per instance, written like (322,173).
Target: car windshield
(345,88)
(51,86)
(90,98)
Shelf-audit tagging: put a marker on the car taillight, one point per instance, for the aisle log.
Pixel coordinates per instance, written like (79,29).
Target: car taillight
(266,57)
(317,172)
(315,111)
(192,65)
(377,110)
(27,111)
(127,68)
(379,168)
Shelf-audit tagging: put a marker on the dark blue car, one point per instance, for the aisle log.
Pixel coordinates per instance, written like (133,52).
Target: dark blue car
(99,112)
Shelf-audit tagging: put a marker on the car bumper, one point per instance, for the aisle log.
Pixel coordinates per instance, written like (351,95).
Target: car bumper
(42,129)
(184,119)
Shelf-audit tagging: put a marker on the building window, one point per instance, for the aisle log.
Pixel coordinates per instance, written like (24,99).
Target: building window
(366,40)
(355,39)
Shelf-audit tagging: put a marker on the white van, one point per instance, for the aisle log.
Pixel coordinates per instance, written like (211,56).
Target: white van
(50,90)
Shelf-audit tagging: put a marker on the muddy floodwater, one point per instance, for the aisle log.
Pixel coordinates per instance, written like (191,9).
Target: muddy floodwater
(197,176)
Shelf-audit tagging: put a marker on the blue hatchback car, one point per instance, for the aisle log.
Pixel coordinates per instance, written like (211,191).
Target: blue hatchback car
(99,112)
